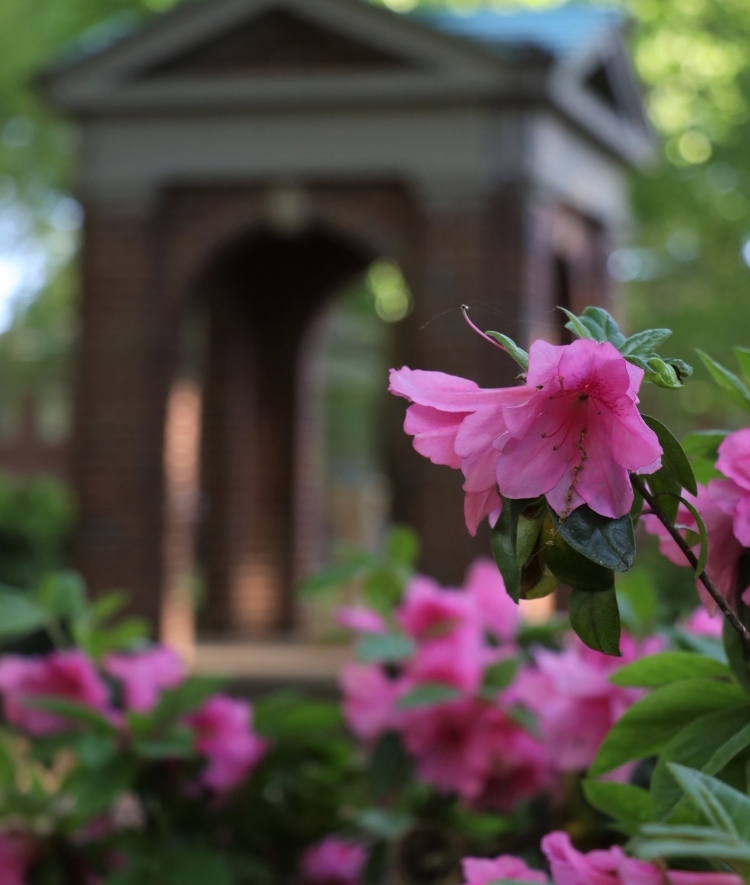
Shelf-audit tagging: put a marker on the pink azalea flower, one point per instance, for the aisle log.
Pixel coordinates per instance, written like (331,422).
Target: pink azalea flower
(333,862)
(580,432)
(733,494)
(69,675)
(702,623)
(724,550)
(474,749)
(574,700)
(483,871)
(445,626)
(361,619)
(613,867)
(15,857)
(572,432)
(454,422)
(224,734)
(144,675)
(495,609)
(369,700)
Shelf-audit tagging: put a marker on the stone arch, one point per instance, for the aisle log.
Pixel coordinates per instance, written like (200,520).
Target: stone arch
(262,285)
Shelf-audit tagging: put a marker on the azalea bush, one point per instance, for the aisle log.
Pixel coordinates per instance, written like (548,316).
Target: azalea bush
(565,466)
(600,747)
(118,766)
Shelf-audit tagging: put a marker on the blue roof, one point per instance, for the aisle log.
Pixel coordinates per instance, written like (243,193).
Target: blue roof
(559,31)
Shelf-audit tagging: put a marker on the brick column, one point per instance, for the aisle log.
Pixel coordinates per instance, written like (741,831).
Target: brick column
(117,452)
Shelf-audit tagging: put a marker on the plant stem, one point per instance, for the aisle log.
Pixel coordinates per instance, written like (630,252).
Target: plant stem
(727,610)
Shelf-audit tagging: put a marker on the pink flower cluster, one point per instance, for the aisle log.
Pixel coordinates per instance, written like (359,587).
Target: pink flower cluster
(472,743)
(333,862)
(724,505)
(571,867)
(571,432)
(575,703)
(222,727)
(469,744)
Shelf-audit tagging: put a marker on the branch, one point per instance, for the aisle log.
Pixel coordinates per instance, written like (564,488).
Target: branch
(728,612)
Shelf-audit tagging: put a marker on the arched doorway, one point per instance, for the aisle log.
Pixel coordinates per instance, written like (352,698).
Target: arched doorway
(247,374)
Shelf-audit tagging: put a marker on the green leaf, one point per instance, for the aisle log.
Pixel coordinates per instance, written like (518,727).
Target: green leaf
(735,388)
(385,648)
(743,358)
(389,765)
(107,606)
(518,353)
(96,748)
(608,542)
(703,533)
(666,667)
(627,804)
(500,675)
(98,787)
(644,343)
(661,373)
(596,619)
(570,566)
(666,488)
(19,615)
(577,327)
(383,823)
(403,546)
(723,807)
(71,711)
(184,699)
(704,443)
(504,544)
(603,326)
(62,594)
(737,654)
(674,456)
(707,743)
(428,695)
(178,743)
(331,578)
(648,726)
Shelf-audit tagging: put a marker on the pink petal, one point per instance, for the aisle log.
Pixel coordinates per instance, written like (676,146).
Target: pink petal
(448,393)
(478,505)
(734,457)
(544,359)
(434,433)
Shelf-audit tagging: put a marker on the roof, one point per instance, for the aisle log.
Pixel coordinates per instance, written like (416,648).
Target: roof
(560,31)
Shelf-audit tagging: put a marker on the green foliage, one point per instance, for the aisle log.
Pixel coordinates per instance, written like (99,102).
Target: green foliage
(666,667)
(36,520)
(597,325)
(518,353)
(596,619)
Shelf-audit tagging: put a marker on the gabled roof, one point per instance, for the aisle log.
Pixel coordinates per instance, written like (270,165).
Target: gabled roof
(239,55)
(561,31)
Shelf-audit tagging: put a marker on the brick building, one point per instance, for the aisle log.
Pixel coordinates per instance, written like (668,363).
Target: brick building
(241,160)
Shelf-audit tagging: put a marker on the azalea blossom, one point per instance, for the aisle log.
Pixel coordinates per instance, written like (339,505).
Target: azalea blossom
(701,623)
(144,675)
(494,609)
(473,748)
(487,871)
(333,862)
(572,432)
(361,619)
(613,867)
(224,734)
(732,495)
(724,550)
(370,696)
(572,696)
(69,675)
